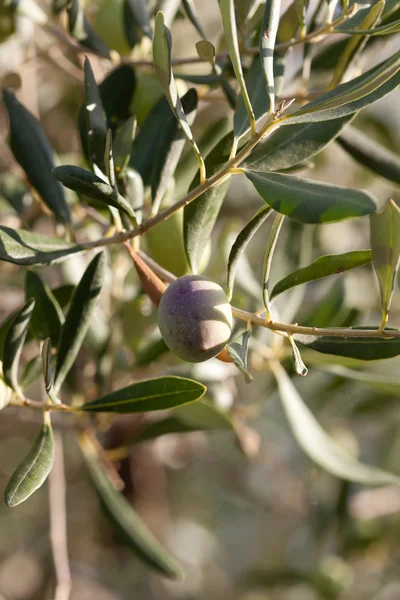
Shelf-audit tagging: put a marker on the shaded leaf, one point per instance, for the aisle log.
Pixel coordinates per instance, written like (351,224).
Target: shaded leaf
(267,45)
(31,372)
(95,118)
(258,94)
(365,348)
(331,264)
(23,247)
(46,369)
(78,317)
(309,201)
(268,256)
(33,152)
(348,98)
(150,352)
(370,153)
(154,394)
(122,145)
(328,311)
(206,51)
(63,294)
(292,145)
(14,343)
(381,383)
(385,244)
(191,12)
(141,15)
(33,470)
(241,243)
(318,445)
(47,317)
(87,183)
(82,30)
(238,351)
(387,29)
(227,9)
(126,520)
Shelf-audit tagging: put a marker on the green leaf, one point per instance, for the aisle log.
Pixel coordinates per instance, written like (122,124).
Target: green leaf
(309,201)
(387,29)
(82,30)
(95,118)
(170,144)
(298,365)
(268,256)
(33,470)
(200,215)
(328,311)
(122,145)
(366,348)
(380,383)
(33,152)
(267,46)
(227,9)
(191,12)
(206,51)
(259,97)
(151,351)
(331,264)
(238,351)
(23,247)
(87,183)
(46,369)
(47,318)
(162,62)
(63,294)
(14,343)
(78,318)
(350,97)
(31,372)
(318,445)
(241,243)
(154,394)
(126,520)
(292,145)
(385,244)
(356,44)
(370,153)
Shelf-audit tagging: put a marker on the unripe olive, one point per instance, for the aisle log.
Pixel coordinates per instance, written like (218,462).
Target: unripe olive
(195,318)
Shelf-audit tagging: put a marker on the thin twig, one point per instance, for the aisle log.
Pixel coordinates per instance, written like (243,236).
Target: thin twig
(58,523)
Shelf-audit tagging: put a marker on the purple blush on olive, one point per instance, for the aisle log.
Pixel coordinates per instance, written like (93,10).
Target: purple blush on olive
(195,318)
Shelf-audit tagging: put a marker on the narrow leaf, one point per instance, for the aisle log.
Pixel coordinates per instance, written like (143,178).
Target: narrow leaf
(82,30)
(309,201)
(154,394)
(140,13)
(33,152)
(348,98)
(385,244)
(87,183)
(191,12)
(292,145)
(366,348)
(387,29)
(78,318)
(356,44)
(95,117)
(329,310)
(162,62)
(298,365)
(267,46)
(259,97)
(238,351)
(227,9)
(241,243)
(370,153)
(268,256)
(33,470)
(31,372)
(122,145)
(14,343)
(331,264)
(126,520)
(23,247)
(47,374)
(47,318)
(380,383)
(318,445)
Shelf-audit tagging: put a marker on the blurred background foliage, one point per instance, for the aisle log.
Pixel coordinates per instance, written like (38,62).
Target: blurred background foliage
(249,518)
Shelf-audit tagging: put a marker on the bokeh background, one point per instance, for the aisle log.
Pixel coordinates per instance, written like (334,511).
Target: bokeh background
(251,519)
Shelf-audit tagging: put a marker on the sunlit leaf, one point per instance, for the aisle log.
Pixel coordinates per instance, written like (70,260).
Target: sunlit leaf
(267,46)
(33,470)
(309,201)
(385,244)
(238,351)
(318,445)
(298,365)
(23,247)
(126,520)
(331,264)
(78,317)
(14,343)
(33,152)
(153,394)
